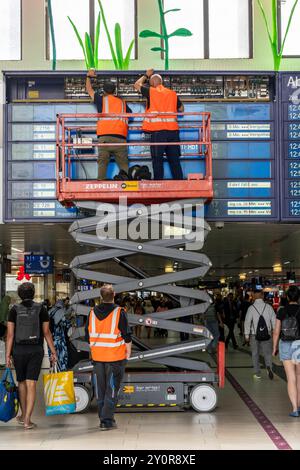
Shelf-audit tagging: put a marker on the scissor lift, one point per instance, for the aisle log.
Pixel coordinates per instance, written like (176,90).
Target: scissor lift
(180,380)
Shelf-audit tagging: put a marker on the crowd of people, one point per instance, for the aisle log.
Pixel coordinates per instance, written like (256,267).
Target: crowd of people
(247,319)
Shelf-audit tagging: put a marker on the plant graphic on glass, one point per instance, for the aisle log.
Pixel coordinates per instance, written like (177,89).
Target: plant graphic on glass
(164,36)
(274,36)
(120,62)
(90,51)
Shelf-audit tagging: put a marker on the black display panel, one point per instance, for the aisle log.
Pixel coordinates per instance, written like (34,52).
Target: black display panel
(289,119)
(245,163)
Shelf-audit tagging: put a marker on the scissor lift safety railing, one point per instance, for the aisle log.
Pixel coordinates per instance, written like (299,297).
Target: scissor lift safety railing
(182,211)
(197,184)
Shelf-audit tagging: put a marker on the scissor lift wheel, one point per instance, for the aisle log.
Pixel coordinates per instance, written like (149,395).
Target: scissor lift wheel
(82,397)
(203,398)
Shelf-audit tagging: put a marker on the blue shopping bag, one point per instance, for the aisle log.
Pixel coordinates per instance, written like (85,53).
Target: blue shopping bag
(9,399)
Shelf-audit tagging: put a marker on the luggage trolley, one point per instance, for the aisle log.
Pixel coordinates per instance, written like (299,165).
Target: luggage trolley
(180,381)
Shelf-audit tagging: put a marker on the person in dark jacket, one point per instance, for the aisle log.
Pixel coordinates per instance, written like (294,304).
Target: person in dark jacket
(231,316)
(59,326)
(109,336)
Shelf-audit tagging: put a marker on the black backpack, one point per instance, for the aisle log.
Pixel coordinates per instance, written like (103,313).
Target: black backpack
(262,333)
(138,173)
(28,324)
(121,176)
(290,327)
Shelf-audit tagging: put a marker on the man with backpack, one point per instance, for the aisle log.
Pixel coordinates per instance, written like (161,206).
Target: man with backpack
(259,325)
(27,326)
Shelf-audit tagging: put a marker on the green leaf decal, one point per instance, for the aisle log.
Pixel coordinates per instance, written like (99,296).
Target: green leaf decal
(80,42)
(173,9)
(118,41)
(89,50)
(127,57)
(181,32)
(97,36)
(149,34)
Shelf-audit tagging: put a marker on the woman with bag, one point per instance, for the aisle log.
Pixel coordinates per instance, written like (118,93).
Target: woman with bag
(286,333)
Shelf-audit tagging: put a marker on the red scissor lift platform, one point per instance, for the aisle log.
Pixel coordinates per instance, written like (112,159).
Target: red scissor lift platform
(197,184)
(191,381)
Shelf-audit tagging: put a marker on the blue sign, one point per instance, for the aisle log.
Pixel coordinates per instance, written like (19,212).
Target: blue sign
(38,264)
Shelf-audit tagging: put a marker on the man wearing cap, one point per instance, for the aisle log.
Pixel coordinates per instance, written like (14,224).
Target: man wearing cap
(161,128)
(111,130)
(252,324)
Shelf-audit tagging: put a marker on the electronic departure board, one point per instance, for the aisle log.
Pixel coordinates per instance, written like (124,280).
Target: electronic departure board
(289,115)
(242,107)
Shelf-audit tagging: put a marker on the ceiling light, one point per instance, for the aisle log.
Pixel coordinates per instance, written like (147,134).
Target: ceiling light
(277,268)
(169,269)
(16,249)
(287,262)
(181,248)
(242,276)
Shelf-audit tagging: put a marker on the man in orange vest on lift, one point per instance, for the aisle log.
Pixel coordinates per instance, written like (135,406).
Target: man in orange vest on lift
(110,130)
(110,342)
(161,128)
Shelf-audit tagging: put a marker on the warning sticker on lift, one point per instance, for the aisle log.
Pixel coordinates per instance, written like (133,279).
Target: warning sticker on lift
(130,186)
(171,397)
(147,388)
(128,389)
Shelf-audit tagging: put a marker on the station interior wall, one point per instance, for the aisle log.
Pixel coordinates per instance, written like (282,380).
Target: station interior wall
(34,56)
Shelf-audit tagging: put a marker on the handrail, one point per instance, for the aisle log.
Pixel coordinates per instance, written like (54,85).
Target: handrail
(63,136)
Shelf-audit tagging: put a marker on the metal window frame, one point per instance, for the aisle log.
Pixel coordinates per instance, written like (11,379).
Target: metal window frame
(91,30)
(21,37)
(285,56)
(206,37)
(206,34)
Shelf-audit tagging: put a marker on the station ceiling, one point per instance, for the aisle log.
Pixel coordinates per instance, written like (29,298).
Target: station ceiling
(237,248)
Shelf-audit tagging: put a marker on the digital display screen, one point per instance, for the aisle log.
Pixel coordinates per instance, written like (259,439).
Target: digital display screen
(243,147)
(290,117)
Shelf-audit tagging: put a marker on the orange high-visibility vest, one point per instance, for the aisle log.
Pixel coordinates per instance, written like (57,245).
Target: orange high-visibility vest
(162,100)
(110,125)
(106,342)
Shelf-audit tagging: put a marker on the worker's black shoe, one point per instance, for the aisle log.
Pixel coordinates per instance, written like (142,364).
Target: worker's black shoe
(107,426)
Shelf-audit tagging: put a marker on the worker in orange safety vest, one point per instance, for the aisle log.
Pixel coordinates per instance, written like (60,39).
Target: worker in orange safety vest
(110,130)
(161,128)
(110,342)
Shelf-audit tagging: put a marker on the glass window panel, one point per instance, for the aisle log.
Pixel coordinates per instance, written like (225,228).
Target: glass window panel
(229,39)
(67,45)
(190,17)
(10,29)
(292,44)
(117,11)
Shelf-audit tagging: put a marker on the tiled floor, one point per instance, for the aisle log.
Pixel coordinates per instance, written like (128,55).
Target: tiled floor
(230,426)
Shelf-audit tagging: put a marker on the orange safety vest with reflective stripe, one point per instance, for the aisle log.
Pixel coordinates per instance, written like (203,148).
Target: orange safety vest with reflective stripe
(106,342)
(112,125)
(162,100)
